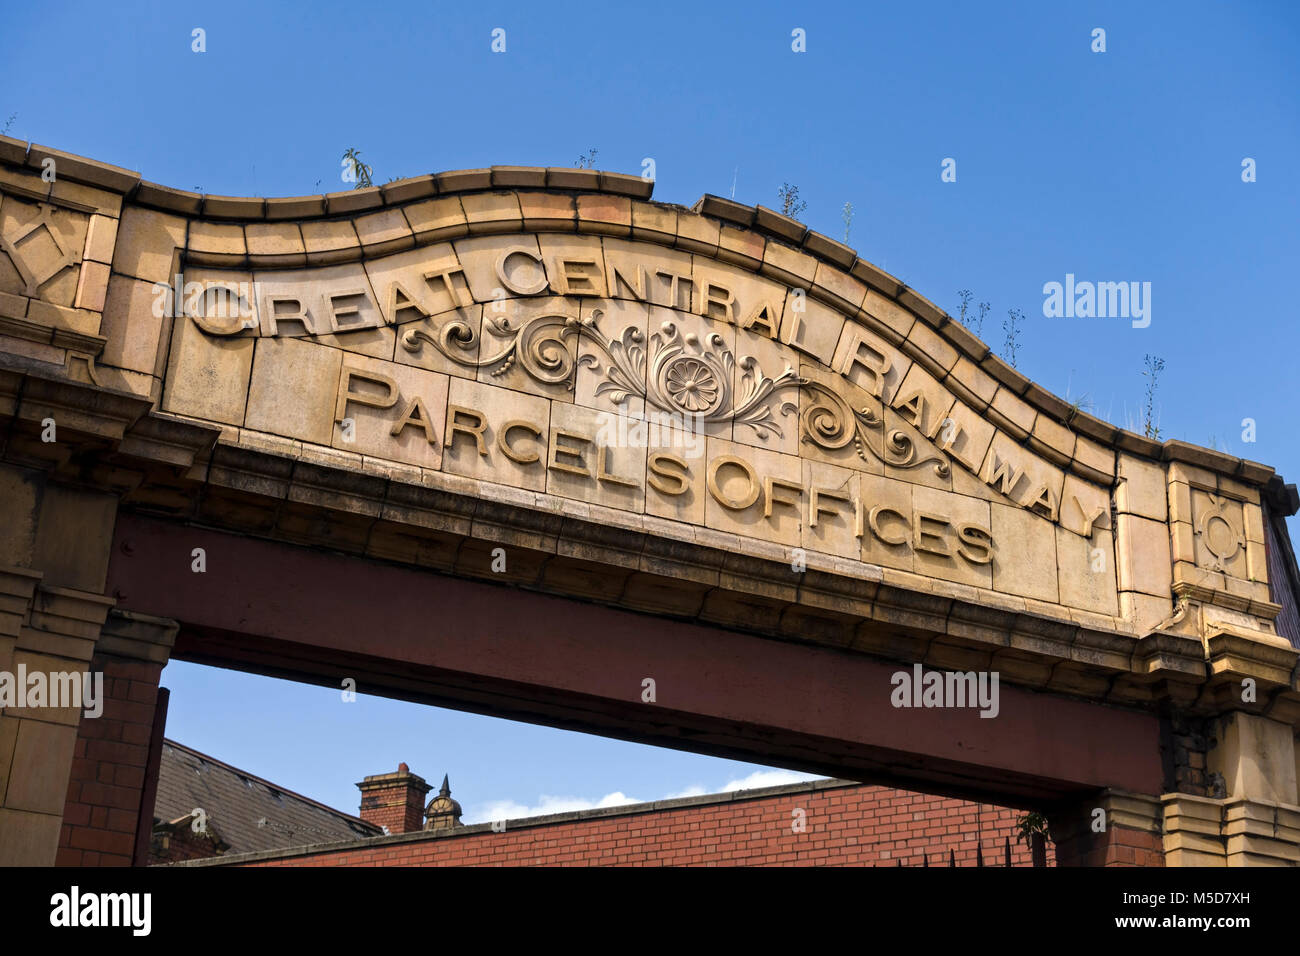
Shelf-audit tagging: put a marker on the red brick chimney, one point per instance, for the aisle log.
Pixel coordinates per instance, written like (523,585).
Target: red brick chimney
(394,800)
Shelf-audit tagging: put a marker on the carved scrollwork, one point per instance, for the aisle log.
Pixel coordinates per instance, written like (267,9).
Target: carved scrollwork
(829,422)
(537,346)
(687,375)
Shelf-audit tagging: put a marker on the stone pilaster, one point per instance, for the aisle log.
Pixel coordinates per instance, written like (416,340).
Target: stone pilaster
(1236,831)
(55,635)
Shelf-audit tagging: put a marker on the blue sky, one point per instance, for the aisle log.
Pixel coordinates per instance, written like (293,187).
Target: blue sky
(1115,166)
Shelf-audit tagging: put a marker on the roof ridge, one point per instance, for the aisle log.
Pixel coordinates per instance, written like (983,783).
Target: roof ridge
(278,788)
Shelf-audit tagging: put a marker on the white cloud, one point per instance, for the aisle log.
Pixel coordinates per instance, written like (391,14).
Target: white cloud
(694,790)
(547,804)
(768,778)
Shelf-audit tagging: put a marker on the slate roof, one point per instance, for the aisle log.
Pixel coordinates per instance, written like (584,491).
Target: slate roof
(248,813)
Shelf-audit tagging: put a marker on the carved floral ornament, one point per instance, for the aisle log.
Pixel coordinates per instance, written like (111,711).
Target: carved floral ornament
(687,376)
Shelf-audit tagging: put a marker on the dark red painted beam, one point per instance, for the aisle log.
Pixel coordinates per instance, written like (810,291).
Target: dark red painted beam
(294,611)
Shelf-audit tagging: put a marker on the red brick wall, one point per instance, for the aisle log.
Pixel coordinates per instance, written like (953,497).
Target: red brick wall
(108,767)
(845,826)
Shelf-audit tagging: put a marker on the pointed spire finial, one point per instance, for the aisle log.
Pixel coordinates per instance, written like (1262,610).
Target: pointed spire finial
(446,788)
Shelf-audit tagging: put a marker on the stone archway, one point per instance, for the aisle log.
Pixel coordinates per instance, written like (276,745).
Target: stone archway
(520,440)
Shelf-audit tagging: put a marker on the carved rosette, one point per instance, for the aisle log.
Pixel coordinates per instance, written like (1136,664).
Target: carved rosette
(687,376)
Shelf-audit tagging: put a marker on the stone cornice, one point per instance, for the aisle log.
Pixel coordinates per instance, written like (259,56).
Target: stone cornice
(571,548)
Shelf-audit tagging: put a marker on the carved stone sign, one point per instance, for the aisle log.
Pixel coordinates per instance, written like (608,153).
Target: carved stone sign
(645,379)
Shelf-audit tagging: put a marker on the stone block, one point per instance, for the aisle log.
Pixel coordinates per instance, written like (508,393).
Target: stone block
(789,266)
(391,396)
(695,233)
(922,402)
(384,232)
(1013,471)
(757,355)
(754,493)
(1142,556)
(502,266)
(45,244)
(276,244)
(479,440)
(207,375)
(1257,758)
(814,331)
(413,285)
(1052,440)
(1141,488)
(501,332)
(101,236)
(437,219)
(92,286)
(81,321)
(1024,554)
(845,292)
(587,461)
(218,243)
(939,550)
(613,319)
(935,353)
(330,241)
(887,314)
(492,212)
(675,473)
(1011,414)
(575,265)
(830,493)
(321,301)
(655,222)
(1086,571)
(649,274)
(38,776)
(293,389)
(548,212)
(460,328)
(134,314)
(605,214)
(887,522)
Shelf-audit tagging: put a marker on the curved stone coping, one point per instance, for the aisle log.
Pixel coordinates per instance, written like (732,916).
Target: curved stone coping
(421,210)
